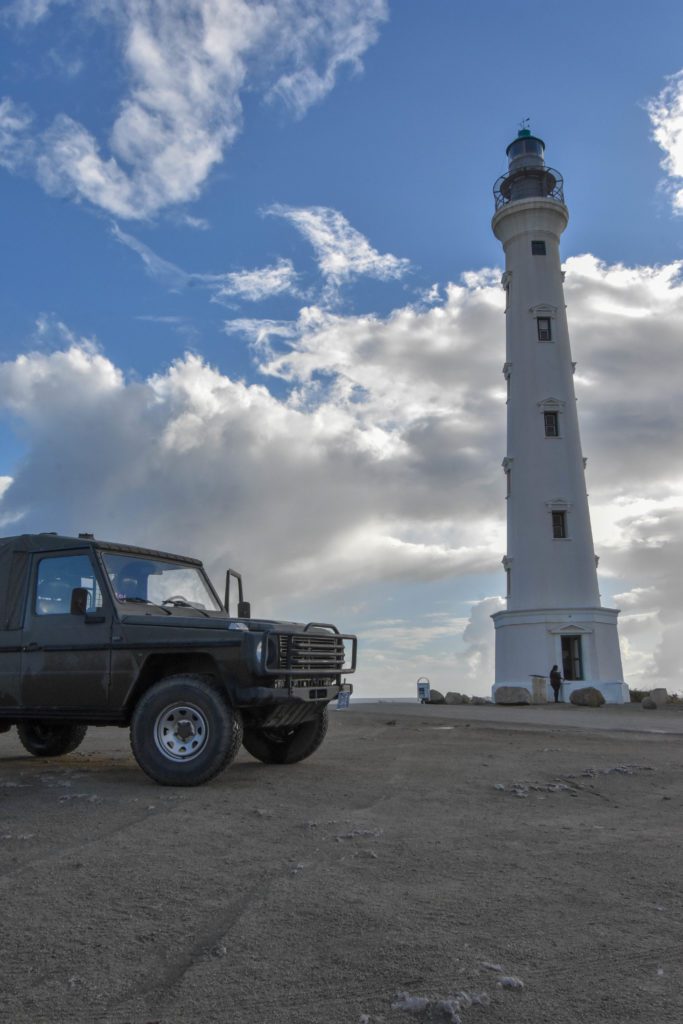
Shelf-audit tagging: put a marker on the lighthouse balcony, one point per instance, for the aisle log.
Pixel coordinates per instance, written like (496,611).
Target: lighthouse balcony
(528,183)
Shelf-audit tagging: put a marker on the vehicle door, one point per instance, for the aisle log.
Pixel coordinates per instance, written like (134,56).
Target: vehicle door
(10,667)
(67,635)
(13,573)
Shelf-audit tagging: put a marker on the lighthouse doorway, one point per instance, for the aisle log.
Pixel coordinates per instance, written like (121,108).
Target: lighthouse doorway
(572,660)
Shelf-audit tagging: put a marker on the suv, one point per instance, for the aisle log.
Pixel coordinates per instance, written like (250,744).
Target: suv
(93,633)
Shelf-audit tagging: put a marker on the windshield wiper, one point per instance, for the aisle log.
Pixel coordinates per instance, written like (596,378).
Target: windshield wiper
(143,600)
(185,604)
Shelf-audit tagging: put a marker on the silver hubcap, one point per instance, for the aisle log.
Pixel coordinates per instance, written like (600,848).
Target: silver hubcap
(181,732)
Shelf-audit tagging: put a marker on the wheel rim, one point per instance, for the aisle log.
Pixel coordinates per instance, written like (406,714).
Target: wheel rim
(181,732)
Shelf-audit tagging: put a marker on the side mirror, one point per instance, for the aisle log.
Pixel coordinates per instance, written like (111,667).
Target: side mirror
(243,607)
(79,601)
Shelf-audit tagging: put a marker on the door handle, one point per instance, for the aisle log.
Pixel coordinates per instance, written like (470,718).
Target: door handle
(33,646)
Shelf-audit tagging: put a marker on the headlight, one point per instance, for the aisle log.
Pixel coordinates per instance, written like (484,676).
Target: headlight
(258,651)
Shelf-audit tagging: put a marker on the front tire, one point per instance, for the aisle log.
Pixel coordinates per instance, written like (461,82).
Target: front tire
(50,739)
(183,731)
(286,745)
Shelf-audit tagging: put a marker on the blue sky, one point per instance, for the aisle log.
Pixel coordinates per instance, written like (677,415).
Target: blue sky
(227,325)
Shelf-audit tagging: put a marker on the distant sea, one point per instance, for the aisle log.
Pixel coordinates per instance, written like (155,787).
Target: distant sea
(384,700)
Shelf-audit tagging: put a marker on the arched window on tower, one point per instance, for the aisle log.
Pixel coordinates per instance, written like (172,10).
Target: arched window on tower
(544,315)
(543,328)
(559,518)
(552,409)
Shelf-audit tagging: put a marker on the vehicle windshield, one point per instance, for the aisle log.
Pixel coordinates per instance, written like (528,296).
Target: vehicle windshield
(140,580)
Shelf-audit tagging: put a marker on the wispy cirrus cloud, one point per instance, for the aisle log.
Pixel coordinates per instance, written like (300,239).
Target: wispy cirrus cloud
(260,283)
(666,116)
(168,274)
(338,30)
(342,252)
(186,65)
(249,285)
(15,144)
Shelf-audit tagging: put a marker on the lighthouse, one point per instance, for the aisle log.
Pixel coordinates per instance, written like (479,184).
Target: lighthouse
(553,614)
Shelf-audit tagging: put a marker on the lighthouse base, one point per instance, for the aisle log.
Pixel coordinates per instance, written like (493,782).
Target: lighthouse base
(582,642)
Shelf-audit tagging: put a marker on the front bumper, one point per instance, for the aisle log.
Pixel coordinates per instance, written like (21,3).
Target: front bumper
(317,692)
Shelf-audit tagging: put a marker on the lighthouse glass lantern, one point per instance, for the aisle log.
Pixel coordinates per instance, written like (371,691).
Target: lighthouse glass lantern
(553,614)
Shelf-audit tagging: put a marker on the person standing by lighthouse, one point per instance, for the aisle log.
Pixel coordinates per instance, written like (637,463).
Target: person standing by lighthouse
(553,615)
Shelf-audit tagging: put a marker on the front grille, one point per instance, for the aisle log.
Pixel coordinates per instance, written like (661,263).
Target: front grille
(313,653)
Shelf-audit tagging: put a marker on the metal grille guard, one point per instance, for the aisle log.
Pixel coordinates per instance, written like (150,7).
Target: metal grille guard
(307,655)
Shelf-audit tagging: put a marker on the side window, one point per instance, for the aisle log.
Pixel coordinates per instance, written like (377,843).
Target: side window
(58,577)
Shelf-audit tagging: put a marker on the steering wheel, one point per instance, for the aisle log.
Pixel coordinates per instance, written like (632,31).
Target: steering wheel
(176,598)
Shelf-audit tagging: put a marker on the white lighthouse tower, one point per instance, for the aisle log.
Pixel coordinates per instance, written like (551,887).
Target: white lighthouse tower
(553,614)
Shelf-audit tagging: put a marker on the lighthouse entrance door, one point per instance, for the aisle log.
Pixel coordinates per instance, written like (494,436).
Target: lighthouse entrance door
(572,662)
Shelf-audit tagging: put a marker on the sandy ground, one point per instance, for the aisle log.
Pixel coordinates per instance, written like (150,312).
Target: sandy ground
(410,852)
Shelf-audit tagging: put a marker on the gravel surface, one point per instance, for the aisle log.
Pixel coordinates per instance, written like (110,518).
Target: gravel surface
(415,869)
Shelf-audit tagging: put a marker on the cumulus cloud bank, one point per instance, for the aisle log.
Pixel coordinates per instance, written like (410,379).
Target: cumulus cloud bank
(186,63)
(378,472)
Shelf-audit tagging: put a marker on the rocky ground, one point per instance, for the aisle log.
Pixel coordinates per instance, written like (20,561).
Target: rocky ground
(415,869)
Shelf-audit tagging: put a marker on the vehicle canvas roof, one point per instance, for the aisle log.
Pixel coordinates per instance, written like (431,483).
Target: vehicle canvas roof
(55,542)
(14,561)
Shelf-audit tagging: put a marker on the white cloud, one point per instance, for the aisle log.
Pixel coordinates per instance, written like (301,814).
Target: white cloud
(342,252)
(255,285)
(375,481)
(30,12)
(168,274)
(14,141)
(666,117)
(198,223)
(340,32)
(187,64)
(250,285)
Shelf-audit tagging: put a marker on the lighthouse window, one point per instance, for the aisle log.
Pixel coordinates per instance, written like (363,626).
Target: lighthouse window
(551,424)
(543,326)
(559,525)
(538,248)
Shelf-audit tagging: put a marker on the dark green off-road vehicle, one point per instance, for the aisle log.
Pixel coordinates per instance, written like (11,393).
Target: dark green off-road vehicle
(93,633)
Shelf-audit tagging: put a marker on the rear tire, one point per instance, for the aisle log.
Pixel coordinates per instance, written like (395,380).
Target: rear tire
(183,731)
(45,738)
(286,745)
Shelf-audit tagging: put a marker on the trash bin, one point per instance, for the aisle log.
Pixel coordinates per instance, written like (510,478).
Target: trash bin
(423,690)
